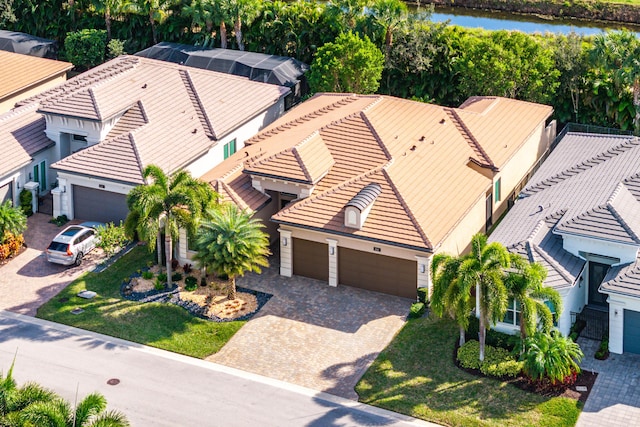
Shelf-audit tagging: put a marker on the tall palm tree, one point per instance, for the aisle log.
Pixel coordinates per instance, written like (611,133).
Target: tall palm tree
(12,220)
(449,295)
(483,268)
(243,11)
(156,10)
(232,243)
(619,53)
(169,203)
(90,412)
(524,283)
(390,14)
(108,8)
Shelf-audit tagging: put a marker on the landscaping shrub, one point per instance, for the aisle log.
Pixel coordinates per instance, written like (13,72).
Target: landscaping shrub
(115,48)
(111,238)
(187,268)
(417,310)
(190,283)
(423,295)
(494,338)
(10,246)
(162,277)
(147,275)
(603,351)
(26,199)
(498,362)
(176,277)
(158,285)
(60,220)
(551,359)
(573,336)
(86,48)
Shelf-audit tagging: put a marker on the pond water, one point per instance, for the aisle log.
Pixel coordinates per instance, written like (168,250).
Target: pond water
(526,23)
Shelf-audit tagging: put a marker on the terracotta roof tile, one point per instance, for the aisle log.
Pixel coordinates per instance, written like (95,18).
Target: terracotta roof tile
(21,72)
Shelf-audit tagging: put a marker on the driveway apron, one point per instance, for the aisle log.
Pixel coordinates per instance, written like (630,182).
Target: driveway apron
(615,397)
(313,335)
(29,280)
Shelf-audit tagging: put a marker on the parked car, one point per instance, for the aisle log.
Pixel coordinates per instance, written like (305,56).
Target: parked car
(73,243)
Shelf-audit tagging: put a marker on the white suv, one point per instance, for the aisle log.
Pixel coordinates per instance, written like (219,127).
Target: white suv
(73,243)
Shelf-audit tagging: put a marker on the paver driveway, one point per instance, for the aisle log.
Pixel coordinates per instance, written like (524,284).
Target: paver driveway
(313,335)
(615,398)
(28,281)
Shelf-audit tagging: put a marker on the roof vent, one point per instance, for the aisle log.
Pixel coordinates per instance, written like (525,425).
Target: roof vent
(540,208)
(443,122)
(144,86)
(413,148)
(358,208)
(195,130)
(422,138)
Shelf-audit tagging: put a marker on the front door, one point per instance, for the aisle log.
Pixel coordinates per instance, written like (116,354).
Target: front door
(597,271)
(40,176)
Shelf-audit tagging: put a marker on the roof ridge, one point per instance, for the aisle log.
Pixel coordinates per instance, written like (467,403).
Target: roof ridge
(94,101)
(17,112)
(600,158)
(197,103)
(134,147)
(306,117)
(471,140)
(376,136)
(232,194)
(301,163)
(552,262)
(143,111)
(618,216)
(412,217)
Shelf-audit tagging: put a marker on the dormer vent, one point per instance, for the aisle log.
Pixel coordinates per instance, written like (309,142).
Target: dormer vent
(358,208)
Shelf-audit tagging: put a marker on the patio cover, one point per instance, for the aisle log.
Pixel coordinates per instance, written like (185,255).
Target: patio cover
(26,44)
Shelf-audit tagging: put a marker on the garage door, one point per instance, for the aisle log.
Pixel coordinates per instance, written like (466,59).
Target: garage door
(97,205)
(6,192)
(378,273)
(631,342)
(311,259)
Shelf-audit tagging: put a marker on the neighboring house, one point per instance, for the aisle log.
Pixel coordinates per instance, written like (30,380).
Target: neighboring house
(364,189)
(258,67)
(579,216)
(22,76)
(91,137)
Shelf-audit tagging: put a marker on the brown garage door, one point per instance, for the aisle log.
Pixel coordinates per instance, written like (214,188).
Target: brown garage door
(378,273)
(310,259)
(98,205)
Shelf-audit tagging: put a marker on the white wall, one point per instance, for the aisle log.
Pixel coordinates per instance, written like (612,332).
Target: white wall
(577,244)
(95,131)
(205,163)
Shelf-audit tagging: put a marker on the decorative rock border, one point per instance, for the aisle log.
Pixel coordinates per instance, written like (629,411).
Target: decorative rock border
(171,296)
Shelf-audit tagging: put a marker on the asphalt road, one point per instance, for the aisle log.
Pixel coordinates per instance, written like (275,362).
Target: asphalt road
(159,388)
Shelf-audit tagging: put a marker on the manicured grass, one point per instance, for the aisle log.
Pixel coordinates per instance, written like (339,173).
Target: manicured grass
(415,375)
(164,326)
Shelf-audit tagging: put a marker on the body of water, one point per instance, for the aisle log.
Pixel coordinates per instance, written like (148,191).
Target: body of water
(525,23)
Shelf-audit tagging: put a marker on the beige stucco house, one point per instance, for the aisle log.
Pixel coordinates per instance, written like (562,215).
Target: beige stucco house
(363,190)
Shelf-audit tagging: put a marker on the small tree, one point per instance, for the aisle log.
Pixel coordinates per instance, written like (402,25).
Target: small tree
(86,48)
(349,65)
(111,237)
(551,357)
(232,243)
(449,295)
(12,220)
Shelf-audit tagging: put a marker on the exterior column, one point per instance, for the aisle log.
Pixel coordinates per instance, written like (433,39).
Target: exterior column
(57,201)
(333,262)
(424,273)
(616,326)
(286,253)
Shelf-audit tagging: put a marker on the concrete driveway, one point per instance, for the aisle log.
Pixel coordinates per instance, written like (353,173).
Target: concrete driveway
(28,281)
(313,335)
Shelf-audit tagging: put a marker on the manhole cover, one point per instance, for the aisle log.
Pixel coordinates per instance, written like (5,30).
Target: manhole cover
(113,381)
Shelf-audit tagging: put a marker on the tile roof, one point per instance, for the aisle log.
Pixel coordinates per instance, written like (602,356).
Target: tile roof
(21,72)
(172,114)
(589,186)
(21,137)
(417,153)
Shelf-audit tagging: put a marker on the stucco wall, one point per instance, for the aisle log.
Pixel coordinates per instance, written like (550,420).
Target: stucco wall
(577,244)
(459,239)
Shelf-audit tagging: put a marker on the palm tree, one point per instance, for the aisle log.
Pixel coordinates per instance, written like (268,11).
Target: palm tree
(12,220)
(619,53)
(169,203)
(243,11)
(14,399)
(156,10)
(524,282)
(449,295)
(483,268)
(232,243)
(551,356)
(90,412)
(109,7)
(390,14)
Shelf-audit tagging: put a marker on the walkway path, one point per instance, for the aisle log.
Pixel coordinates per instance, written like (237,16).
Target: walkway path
(615,398)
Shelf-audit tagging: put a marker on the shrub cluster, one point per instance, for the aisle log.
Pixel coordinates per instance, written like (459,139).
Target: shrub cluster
(423,295)
(11,244)
(493,337)
(190,283)
(147,275)
(603,351)
(111,237)
(498,362)
(417,310)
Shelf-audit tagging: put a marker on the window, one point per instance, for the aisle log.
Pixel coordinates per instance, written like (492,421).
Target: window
(496,191)
(552,308)
(513,313)
(230,148)
(79,138)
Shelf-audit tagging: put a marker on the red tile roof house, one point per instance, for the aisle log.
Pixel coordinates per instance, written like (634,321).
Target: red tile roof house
(95,133)
(364,189)
(579,216)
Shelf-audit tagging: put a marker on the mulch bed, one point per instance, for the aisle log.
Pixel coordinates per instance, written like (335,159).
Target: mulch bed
(585,378)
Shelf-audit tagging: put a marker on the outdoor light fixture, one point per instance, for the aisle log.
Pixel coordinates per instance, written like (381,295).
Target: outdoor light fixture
(332,250)
(284,241)
(422,268)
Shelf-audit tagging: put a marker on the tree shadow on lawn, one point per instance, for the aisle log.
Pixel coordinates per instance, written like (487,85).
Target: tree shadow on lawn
(416,376)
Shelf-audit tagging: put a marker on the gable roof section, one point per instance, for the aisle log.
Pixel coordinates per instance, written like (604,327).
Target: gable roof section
(415,151)
(174,114)
(21,137)
(22,72)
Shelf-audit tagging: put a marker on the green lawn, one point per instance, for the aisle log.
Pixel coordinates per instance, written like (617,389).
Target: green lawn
(415,375)
(164,326)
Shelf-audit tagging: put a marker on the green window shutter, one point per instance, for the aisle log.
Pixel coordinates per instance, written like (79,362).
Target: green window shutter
(232,150)
(497,190)
(226,150)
